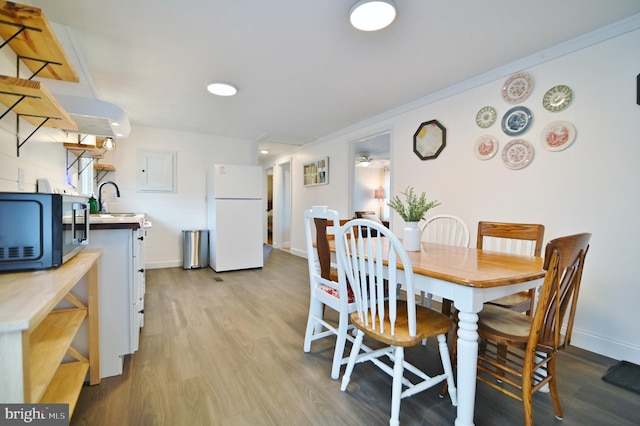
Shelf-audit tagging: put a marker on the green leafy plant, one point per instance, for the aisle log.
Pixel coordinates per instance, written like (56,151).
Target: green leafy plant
(414,208)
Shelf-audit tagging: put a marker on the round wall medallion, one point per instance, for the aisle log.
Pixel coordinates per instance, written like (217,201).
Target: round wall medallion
(485,147)
(517,88)
(558,136)
(516,121)
(517,154)
(486,117)
(557,98)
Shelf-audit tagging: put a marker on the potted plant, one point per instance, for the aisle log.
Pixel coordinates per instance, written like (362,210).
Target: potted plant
(412,211)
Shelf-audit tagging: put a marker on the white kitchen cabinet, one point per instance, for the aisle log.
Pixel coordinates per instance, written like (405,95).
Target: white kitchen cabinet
(121,295)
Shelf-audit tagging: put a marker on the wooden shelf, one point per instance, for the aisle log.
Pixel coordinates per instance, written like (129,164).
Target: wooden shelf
(104,167)
(37,41)
(36,336)
(37,104)
(80,150)
(66,385)
(49,343)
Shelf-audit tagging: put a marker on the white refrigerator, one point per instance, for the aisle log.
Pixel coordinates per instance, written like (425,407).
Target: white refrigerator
(235,217)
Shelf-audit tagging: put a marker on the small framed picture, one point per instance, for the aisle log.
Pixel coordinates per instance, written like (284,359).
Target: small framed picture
(316,172)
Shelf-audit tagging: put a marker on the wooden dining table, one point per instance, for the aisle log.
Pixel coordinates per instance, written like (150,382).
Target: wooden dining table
(470,277)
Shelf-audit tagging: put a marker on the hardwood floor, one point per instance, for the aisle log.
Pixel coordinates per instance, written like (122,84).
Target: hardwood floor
(226,349)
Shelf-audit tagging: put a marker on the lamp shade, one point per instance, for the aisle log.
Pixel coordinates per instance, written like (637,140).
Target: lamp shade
(379,194)
(372,15)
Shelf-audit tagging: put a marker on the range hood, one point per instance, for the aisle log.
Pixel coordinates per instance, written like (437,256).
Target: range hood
(95,117)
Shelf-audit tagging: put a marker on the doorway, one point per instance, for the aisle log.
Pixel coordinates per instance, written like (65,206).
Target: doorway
(371,182)
(269,209)
(282,206)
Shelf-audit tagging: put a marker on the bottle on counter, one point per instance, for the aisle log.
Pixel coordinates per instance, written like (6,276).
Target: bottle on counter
(93,204)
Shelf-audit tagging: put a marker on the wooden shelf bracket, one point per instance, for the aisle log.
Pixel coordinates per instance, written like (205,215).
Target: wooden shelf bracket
(21,97)
(20,28)
(18,143)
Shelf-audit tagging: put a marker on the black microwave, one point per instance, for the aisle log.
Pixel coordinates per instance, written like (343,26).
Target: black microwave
(41,231)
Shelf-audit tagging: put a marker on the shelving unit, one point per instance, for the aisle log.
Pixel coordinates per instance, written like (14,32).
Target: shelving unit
(31,100)
(37,332)
(102,170)
(27,32)
(88,151)
(30,36)
(80,150)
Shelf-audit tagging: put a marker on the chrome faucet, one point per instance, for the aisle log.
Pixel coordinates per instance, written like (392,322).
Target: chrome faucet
(100,204)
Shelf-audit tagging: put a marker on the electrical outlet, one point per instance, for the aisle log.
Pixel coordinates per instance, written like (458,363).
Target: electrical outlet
(20,179)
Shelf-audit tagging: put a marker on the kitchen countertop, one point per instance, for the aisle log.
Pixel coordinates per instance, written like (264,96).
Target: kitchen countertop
(117,221)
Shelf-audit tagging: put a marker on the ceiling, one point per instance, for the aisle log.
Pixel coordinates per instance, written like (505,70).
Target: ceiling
(301,70)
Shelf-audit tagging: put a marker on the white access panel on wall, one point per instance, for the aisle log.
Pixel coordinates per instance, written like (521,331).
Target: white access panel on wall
(156,171)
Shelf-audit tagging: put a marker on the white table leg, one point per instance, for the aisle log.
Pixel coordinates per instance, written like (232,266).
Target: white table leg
(467,365)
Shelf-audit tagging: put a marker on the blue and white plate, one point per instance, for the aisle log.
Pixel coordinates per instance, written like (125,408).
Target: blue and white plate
(516,121)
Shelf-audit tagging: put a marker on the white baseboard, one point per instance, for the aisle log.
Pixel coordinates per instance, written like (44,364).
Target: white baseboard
(604,346)
(161,265)
(297,252)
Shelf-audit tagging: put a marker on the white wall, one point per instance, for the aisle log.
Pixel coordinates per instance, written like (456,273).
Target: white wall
(185,209)
(590,187)
(304,197)
(366,181)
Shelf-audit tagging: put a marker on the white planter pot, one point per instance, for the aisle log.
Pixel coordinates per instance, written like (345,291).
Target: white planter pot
(411,236)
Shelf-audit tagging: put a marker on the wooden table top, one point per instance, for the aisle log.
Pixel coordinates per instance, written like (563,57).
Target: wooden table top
(26,297)
(472,267)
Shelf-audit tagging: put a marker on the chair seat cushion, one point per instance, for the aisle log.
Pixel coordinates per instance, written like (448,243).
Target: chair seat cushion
(503,324)
(336,293)
(429,323)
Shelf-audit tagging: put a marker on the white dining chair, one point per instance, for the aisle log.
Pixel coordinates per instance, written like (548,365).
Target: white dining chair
(328,287)
(383,316)
(444,229)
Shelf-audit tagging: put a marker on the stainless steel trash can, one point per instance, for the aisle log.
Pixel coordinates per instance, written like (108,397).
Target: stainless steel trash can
(196,249)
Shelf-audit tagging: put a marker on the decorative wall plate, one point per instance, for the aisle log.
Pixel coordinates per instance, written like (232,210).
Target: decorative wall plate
(517,154)
(557,98)
(486,117)
(485,147)
(558,136)
(517,88)
(516,121)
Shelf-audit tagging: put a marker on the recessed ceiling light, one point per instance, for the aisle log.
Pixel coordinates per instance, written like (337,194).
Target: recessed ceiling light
(222,89)
(264,151)
(372,15)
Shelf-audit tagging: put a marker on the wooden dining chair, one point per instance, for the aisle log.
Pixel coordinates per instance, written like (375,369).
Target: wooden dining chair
(328,287)
(444,229)
(533,341)
(382,316)
(516,238)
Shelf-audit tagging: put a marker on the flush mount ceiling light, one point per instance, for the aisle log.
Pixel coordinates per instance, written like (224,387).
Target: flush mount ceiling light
(372,15)
(222,89)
